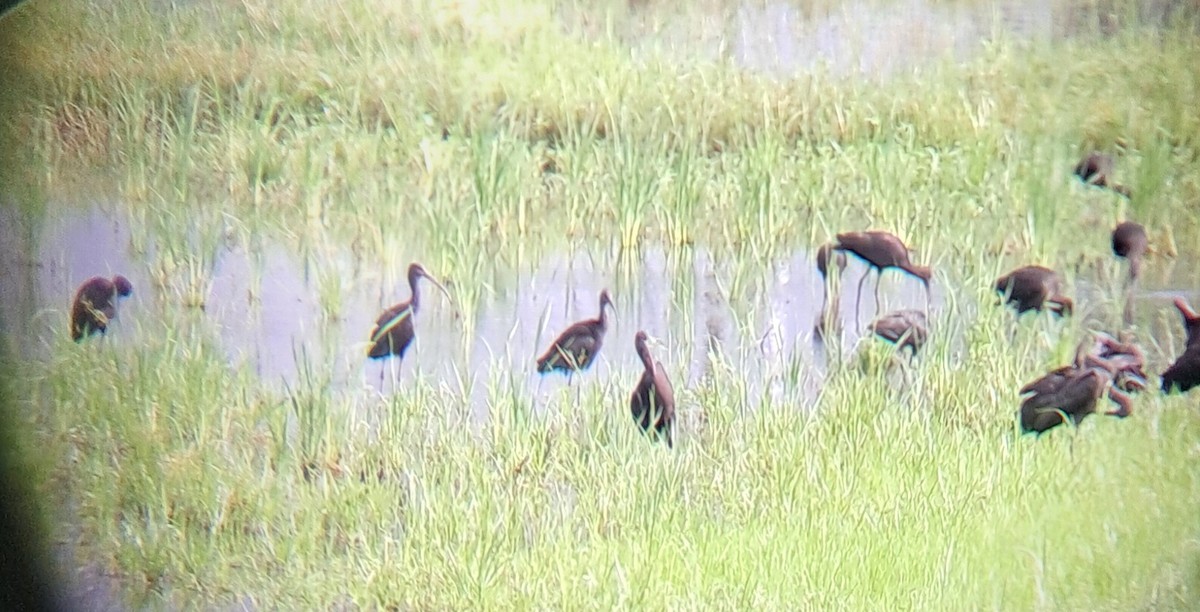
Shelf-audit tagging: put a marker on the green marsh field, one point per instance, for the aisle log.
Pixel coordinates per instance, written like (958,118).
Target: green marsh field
(265,172)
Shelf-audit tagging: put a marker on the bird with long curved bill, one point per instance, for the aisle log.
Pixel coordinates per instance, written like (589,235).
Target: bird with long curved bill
(576,348)
(394,331)
(652,404)
(881,250)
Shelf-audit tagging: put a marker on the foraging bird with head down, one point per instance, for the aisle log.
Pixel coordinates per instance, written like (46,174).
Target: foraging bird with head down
(96,304)
(1184,373)
(1130,243)
(576,348)
(1070,393)
(393,331)
(881,250)
(1096,168)
(653,401)
(905,328)
(828,322)
(1034,288)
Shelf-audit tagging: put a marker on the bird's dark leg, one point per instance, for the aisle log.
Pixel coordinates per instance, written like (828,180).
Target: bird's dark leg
(858,298)
(878,281)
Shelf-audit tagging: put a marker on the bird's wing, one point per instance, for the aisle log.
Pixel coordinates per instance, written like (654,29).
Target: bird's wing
(388,321)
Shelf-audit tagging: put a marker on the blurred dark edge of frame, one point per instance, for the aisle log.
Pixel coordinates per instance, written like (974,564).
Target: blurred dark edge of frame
(28,580)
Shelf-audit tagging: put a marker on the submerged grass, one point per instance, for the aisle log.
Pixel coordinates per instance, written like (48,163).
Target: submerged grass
(477,136)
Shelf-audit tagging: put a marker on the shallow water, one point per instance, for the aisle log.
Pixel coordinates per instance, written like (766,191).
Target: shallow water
(863,38)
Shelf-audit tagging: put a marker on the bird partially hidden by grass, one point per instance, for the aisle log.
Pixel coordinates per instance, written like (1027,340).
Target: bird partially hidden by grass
(1070,393)
(576,348)
(95,305)
(653,401)
(1034,288)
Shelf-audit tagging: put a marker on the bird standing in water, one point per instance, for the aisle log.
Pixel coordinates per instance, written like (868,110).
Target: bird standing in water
(393,331)
(576,348)
(828,322)
(1129,242)
(653,401)
(96,304)
(881,250)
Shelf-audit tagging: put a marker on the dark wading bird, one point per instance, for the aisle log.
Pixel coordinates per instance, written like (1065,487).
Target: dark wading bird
(96,304)
(1184,373)
(1129,242)
(653,401)
(881,250)
(1071,392)
(576,348)
(393,332)
(1096,168)
(1191,322)
(828,323)
(1034,288)
(1068,394)
(904,328)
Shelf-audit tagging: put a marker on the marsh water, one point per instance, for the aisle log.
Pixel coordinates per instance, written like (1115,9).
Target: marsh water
(286,315)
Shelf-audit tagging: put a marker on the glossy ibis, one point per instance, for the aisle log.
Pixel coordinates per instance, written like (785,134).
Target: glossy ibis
(576,348)
(1123,359)
(1191,322)
(96,304)
(1184,373)
(1069,393)
(1096,168)
(393,332)
(828,322)
(1129,242)
(881,250)
(653,401)
(1034,288)
(904,328)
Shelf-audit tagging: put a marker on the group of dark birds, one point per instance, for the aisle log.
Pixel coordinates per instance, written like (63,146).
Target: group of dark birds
(1103,365)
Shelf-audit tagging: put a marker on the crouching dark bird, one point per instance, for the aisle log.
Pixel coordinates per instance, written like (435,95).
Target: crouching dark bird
(1096,168)
(653,401)
(576,348)
(904,328)
(393,331)
(1070,393)
(1184,373)
(1034,288)
(96,304)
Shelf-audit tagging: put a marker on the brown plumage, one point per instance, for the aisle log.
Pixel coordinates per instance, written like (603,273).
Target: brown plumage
(1096,168)
(1191,321)
(1034,288)
(96,304)
(1184,373)
(653,401)
(393,331)
(576,348)
(1122,358)
(905,328)
(881,250)
(1108,365)
(828,323)
(1071,391)
(1129,242)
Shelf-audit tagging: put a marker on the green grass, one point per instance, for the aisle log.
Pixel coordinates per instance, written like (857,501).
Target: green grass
(320,127)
